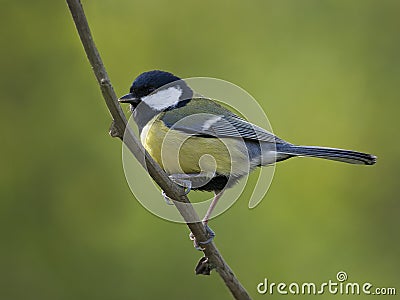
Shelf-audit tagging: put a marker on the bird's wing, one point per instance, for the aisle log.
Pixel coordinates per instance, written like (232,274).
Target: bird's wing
(204,117)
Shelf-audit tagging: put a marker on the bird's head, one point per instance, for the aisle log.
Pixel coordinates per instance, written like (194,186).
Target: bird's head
(159,90)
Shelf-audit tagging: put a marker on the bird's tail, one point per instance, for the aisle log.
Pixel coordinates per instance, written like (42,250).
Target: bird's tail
(347,156)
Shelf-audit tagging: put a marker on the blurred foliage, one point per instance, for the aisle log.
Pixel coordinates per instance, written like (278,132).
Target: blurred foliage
(326,72)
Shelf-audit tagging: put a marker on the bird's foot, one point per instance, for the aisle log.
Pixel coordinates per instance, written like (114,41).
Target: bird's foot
(177,178)
(182,182)
(210,236)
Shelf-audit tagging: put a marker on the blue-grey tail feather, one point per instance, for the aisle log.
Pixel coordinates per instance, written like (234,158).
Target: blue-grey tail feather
(347,156)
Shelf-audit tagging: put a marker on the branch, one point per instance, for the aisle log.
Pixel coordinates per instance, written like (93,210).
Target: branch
(213,258)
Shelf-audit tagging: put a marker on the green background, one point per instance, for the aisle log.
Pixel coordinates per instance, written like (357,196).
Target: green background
(326,73)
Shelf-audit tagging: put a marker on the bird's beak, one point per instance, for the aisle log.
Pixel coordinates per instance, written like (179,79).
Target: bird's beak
(129,98)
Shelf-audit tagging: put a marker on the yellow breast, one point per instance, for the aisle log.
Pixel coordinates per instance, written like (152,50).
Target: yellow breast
(177,152)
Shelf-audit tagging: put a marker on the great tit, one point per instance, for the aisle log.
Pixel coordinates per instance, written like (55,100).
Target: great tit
(179,129)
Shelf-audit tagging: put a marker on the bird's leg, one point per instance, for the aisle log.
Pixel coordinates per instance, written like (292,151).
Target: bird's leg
(217,196)
(209,231)
(195,180)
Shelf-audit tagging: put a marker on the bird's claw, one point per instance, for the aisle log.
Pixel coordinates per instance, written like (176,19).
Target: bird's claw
(210,237)
(167,199)
(182,182)
(189,188)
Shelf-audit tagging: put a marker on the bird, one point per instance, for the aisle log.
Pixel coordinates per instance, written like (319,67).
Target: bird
(205,146)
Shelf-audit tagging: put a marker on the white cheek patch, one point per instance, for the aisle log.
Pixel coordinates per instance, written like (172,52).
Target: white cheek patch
(164,98)
(207,124)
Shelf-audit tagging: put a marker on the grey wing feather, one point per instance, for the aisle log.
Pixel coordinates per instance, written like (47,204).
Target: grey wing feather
(238,126)
(224,126)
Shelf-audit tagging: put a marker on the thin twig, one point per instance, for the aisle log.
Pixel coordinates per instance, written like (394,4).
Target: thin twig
(117,129)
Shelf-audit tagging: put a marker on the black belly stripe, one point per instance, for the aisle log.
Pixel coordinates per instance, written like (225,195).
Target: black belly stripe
(217,183)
